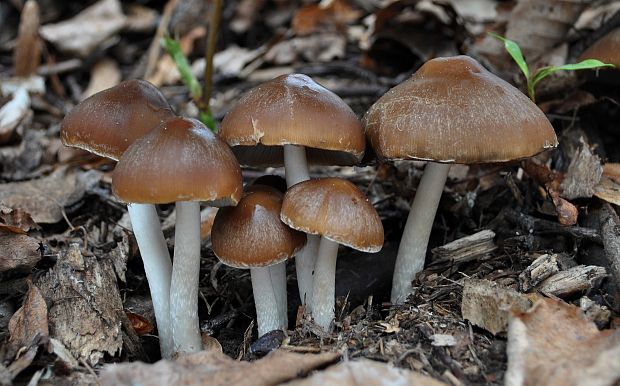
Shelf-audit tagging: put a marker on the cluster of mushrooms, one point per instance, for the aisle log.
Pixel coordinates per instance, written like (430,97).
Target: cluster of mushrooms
(451,110)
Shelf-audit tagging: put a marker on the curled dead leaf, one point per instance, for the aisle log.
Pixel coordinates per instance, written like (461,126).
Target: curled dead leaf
(140,324)
(16,220)
(325,16)
(30,320)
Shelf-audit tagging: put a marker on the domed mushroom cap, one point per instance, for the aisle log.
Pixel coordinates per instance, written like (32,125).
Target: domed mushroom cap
(335,209)
(606,49)
(180,160)
(294,110)
(251,234)
(453,110)
(108,122)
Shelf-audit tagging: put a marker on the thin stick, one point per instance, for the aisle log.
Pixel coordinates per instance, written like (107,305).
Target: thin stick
(214,27)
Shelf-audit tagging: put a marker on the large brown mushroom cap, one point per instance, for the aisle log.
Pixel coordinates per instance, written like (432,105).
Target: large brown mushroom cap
(335,209)
(180,160)
(294,110)
(251,234)
(453,110)
(108,122)
(606,49)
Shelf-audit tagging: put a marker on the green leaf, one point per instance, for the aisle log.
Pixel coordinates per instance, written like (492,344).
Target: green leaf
(207,118)
(173,48)
(583,65)
(514,51)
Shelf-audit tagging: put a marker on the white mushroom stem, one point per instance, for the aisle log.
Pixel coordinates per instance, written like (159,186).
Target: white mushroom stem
(296,170)
(157,266)
(324,296)
(265,301)
(278,280)
(185,277)
(414,241)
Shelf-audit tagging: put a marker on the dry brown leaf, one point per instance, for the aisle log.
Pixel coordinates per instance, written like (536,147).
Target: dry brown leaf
(216,369)
(16,220)
(141,18)
(330,16)
(85,308)
(18,252)
(365,372)
(28,47)
(105,74)
(30,320)
(608,188)
(139,323)
(554,344)
(82,34)
(46,197)
(323,47)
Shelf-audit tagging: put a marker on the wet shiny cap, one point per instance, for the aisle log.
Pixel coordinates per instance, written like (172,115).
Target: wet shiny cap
(335,209)
(606,49)
(109,121)
(251,234)
(295,110)
(180,160)
(453,110)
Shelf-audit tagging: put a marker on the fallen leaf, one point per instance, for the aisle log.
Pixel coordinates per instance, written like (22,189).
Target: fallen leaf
(16,220)
(27,52)
(45,198)
(314,48)
(18,252)
(105,74)
(554,344)
(82,34)
(365,372)
(608,188)
(12,113)
(30,320)
(216,369)
(329,16)
(140,324)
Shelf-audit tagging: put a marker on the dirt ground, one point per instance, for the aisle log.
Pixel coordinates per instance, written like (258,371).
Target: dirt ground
(73,293)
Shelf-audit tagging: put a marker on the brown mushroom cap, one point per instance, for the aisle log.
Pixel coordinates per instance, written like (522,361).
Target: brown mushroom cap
(295,110)
(335,209)
(453,110)
(108,122)
(606,49)
(180,160)
(251,234)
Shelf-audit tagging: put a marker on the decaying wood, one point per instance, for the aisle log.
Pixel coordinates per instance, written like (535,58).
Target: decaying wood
(583,174)
(478,246)
(574,280)
(85,308)
(540,269)
(18,252)
(610,233)
(488,305)
(531,224)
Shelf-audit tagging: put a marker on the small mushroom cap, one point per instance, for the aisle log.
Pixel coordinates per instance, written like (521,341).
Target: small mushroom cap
(453,110)
(335,209)
(295,110)
(251,234)
(109,121)
(180,160)
(606,49)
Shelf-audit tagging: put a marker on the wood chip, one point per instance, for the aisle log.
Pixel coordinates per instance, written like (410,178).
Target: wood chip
(574,280)
(488,305)
(540,269)
(478,246)
(85,308)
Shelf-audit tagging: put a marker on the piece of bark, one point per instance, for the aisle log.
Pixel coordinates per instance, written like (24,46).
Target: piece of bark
(85,308)
(610,233)
(553,344)
(365,372)
(18,252)
(574,280)
(478,246)
(27,54)
(488,305)
(540,269)
(216,369)
(583,174)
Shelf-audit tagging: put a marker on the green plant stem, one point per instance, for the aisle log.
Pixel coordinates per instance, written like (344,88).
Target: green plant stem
(214,26)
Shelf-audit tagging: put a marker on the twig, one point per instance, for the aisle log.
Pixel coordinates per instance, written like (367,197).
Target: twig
(214,26)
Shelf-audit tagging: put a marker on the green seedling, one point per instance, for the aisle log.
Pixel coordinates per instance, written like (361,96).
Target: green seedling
(532,79)
(173,48)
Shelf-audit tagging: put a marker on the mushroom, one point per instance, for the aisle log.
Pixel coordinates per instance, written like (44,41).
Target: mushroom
(335,209)
(251,235)
(106,124)
(283,121)
(606,49)
(181,161)
(452,110)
